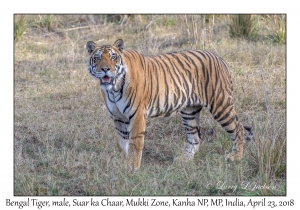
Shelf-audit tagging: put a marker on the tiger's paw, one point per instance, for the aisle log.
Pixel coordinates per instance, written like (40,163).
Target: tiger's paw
(183,159)
(233,157)
(129,167)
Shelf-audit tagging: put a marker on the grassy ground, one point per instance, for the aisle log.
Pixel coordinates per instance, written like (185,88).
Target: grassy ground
(65,142)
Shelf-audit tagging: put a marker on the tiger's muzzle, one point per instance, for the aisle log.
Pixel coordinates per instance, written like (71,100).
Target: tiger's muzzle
(107,77)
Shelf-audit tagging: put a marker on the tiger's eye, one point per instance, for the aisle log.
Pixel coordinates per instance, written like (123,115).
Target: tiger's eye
(113,56)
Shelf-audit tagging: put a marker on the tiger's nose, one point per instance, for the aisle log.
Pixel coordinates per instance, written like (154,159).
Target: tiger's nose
(105,69)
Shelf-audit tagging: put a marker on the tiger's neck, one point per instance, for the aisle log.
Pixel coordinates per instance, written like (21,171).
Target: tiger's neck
(115,93)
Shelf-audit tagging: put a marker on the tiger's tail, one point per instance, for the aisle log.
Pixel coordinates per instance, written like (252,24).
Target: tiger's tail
(250,132)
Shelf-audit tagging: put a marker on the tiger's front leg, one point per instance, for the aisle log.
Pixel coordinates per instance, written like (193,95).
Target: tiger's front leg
(137,134)
(123,136)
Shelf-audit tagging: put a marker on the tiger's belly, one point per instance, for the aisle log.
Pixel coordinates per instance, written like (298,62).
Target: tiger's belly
(167,106)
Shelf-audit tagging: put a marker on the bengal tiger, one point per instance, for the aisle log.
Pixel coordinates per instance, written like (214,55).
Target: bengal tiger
(135,87)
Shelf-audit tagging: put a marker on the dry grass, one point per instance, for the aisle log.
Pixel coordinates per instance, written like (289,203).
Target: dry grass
(65,143)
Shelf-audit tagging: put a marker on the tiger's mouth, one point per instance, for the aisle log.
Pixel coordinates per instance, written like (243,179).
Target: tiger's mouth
(106,80)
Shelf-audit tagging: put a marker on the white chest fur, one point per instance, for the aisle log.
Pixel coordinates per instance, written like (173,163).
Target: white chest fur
(116,106)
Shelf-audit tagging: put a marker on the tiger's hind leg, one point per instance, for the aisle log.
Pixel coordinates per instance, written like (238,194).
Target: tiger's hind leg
(229,121)
(191,118)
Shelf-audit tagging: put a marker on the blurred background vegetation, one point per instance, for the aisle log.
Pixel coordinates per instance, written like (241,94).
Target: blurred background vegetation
(197,27)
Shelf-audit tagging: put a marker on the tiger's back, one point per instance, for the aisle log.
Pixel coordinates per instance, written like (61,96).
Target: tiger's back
(184,81)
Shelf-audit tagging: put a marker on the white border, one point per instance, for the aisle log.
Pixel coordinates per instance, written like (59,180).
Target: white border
(155,6)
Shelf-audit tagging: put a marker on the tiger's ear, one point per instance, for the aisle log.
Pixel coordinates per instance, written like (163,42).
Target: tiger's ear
(119,44)
(90,46)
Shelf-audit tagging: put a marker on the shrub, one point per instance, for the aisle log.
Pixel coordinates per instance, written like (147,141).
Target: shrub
(46,22)
(279,28)
(242,26)
(19,26)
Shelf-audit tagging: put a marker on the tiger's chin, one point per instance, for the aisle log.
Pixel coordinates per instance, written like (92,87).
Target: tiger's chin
(105,86)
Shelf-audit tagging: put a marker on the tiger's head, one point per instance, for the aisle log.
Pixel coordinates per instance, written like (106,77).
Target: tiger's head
(106,63)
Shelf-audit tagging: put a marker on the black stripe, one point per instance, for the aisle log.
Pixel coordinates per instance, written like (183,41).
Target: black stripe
(182,66)
(193,113)
(231,131)
(191,133)
(132,102)
(228,122)
(126,133)
(183,76)
(226,115)
(220,101)
(175,84)
(139,135)
(151,83)
(188,118)
(198,82)
(156,74)
(109,97)
(166,104)
(204,73)
(127,106)
(130,117)
(217,115)
(122,121)
(178,88)
(193,143)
